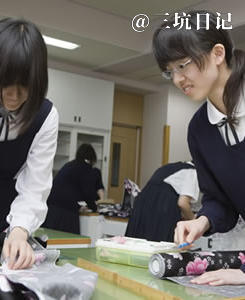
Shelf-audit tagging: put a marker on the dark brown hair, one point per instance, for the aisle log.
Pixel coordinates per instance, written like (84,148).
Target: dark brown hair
(86,151)
(171,44)
(24,62)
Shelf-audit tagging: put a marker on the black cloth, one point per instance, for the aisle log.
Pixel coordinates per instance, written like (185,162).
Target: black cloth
(76,181)
(220,171)
(193,263)
(155,212)
(13,154)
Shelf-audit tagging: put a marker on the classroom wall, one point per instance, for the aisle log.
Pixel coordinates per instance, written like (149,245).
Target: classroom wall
(154,118)
(172,108)
(180,111)
(168,107)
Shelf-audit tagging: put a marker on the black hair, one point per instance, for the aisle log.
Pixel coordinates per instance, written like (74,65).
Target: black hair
(172,43)
(86,151)
(24,62)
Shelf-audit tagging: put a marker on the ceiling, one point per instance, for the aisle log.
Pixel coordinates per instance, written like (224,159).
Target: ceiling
(110,48)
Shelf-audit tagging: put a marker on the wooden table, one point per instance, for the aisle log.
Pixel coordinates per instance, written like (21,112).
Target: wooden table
(59,239)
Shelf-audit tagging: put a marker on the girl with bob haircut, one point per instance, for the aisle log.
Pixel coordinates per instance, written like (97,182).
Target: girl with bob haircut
(28,134)
(203,64)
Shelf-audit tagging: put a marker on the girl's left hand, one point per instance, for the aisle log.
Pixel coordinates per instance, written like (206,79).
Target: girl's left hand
(17,251)
(221,277)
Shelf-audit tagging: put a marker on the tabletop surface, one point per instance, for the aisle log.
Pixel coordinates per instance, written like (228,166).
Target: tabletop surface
(107,290)
(55,234)
(139,275)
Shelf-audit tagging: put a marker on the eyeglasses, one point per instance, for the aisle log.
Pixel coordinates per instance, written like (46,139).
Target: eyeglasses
(180,68)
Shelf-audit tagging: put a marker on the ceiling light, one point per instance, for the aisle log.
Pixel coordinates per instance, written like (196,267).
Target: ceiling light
(59,43)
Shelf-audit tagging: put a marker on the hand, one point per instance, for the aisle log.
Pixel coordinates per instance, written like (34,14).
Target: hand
(17,250)
(221,277)
(189,231)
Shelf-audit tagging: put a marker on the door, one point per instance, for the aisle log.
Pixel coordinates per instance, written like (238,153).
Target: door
(123,159)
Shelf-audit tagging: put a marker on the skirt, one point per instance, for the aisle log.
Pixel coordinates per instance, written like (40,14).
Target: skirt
(59,218)
(155,213)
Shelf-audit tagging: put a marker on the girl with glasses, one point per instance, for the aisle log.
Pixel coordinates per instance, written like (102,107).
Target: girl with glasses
(204,65)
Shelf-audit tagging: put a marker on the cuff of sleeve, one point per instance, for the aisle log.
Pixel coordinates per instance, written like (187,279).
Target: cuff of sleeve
(242,268)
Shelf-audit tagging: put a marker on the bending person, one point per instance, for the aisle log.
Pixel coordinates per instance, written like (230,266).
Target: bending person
(76,181)
(204,65)
(28,135)
(164,201)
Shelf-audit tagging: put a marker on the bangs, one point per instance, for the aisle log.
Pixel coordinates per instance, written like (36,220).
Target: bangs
(15,68)
(170,45)
(16,65)
(24,62)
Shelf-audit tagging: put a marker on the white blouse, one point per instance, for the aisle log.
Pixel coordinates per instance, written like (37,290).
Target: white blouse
(34,179)
(185,182)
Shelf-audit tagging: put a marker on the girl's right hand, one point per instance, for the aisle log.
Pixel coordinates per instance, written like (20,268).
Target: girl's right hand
(189,231)
(17,250)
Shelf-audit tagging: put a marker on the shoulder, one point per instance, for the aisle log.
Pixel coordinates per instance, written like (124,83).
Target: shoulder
(83,167)
(51,122)
(199,121)
(67,168)
(46,136)
(53,115)
(199,115)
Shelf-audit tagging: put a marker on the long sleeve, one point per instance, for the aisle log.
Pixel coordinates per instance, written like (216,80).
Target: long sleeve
(34,179)
(216,206)
(99,183)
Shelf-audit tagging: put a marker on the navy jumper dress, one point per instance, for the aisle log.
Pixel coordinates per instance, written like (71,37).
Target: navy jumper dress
(13,154)
(156,211)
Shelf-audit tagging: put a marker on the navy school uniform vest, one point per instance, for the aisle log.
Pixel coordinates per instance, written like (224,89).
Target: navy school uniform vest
(13,154)
(220,170)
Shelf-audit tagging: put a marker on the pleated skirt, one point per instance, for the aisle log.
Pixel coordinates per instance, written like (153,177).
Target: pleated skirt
(155,213)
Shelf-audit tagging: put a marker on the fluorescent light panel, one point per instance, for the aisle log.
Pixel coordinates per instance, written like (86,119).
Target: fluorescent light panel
(59,43)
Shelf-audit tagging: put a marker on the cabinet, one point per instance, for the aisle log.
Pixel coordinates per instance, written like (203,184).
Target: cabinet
(80,100)
(97,226)
(85,107)
(70,138)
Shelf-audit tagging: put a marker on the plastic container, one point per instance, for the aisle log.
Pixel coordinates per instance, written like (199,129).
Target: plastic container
(129,251)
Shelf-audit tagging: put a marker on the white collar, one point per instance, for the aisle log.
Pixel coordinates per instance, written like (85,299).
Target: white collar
(215,116)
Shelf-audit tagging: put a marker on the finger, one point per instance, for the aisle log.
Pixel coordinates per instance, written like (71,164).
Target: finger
(176,236)
(192,236)
(217,282)
(182,233)
(20,260)
(205,278)
(6,250)
(33,258)
(12,256)
(201,281)
(26,256)
(24,264)
(29,261)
